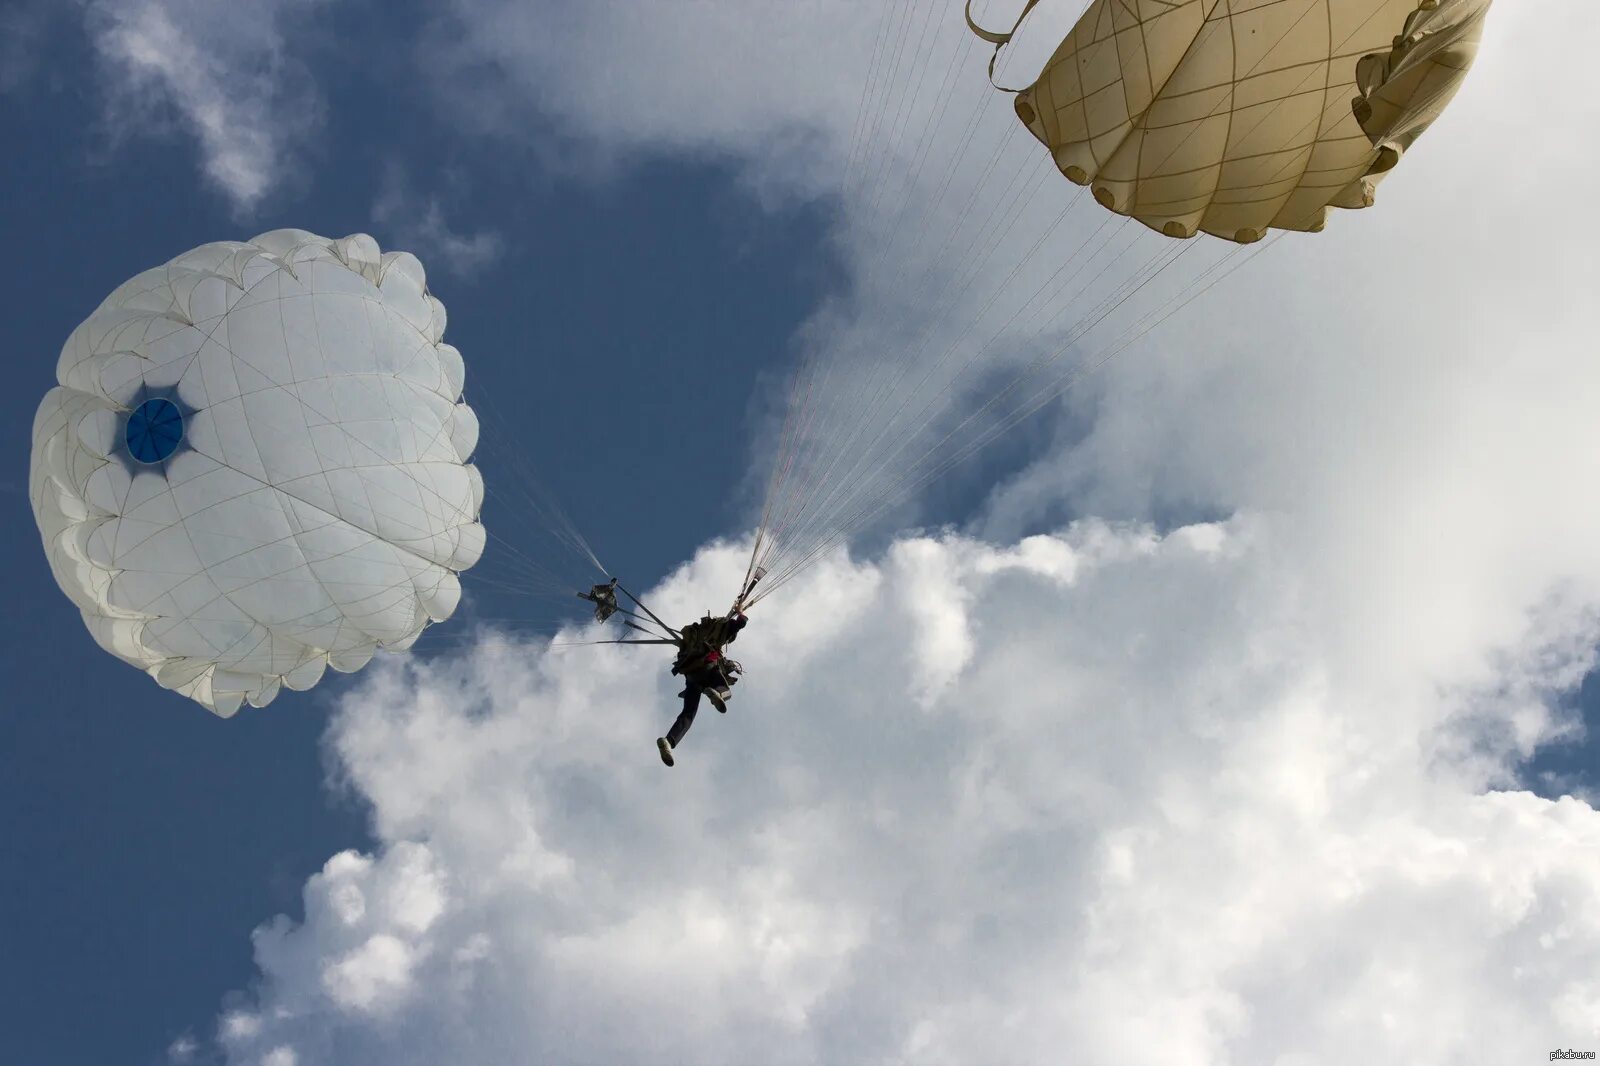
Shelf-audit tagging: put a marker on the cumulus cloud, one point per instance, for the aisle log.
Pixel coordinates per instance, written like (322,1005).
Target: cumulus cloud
(1148,788)
(1144,817)
(417,223)
(227,73)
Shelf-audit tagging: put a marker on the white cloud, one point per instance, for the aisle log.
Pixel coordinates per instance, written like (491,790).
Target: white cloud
(377,971)
(227,72)
(418,225)
(1239,792)
(1147,820)
(756,84)
(239,1025)
(183,1049)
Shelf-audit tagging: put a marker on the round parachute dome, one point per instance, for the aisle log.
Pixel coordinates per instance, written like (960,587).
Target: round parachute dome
(1231,118)
(255,466)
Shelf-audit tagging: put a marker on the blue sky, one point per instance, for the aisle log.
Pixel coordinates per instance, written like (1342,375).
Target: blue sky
(627,289)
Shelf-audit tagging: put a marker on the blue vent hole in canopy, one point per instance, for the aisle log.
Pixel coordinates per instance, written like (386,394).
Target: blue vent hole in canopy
(155,429)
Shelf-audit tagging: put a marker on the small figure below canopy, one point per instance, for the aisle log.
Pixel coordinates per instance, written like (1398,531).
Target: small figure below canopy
(704,664)
(604,598)
(706,670)
(701,660)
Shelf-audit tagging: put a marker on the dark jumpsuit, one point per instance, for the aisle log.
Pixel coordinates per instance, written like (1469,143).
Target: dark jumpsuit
(700,661)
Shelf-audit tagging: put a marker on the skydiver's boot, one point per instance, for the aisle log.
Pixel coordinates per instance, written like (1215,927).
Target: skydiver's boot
(665,749)
(719,699)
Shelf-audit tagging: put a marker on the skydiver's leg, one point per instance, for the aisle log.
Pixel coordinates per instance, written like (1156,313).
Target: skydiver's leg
(691,703)
(714,687)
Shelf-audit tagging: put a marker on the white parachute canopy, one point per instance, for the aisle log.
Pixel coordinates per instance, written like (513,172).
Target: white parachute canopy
(255,465)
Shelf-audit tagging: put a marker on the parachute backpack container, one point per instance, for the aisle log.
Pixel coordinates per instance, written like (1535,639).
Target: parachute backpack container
(255,466)
(1232,117)
(604,598)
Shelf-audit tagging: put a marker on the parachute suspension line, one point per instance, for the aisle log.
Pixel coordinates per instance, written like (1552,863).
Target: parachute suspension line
(511,569)
(1001,39)
(887,246)
(931,124)
(862,496)
(920,417)
(524,565)
(800,473)
(873,82)
(867,85)
(971,277)
(1184,301)
(968,137)
(622,640)
(865,507)
(1003,216)
(780,522)
(1150,321)
(648,611)
(781,531)
(978,272)
(559,527)
(903,116)
(820,514)
(549,513)
(951,348)
(887,84)
(883,374)
(512,481)
(855,500)
(1212,276)
(854,414)
(903,104)
(848,483)
(967,140)
(555,522)
(764,542)
(896,127)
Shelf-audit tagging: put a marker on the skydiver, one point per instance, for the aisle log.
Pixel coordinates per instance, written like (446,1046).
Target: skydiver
(706,670)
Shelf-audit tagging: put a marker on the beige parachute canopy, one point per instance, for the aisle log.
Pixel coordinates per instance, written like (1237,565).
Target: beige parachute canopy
(1236,116)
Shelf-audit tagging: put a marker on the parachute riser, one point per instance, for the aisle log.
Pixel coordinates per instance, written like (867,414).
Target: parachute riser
(750,587)
(648,611)
(649,631)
